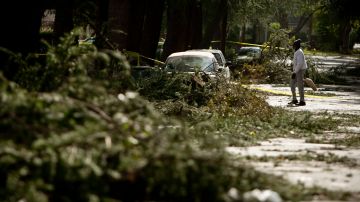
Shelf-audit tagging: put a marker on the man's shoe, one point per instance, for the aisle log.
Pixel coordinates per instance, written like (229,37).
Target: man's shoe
(301,103)
(293,102)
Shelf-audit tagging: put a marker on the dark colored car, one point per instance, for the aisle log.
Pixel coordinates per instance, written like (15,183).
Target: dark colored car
(248,55)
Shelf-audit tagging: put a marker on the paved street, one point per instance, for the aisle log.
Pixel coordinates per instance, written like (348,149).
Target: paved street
(330,98)
(336,176)
(327,62)
(286,156)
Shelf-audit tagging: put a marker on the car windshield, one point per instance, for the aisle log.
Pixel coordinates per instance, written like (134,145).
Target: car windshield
(218,58)
(248,51)
(189,63)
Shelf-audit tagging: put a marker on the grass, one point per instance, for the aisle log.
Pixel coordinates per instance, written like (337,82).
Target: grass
(349,141)
(342,139)
(328,158)
(341,135)
(289,191)
(319,93)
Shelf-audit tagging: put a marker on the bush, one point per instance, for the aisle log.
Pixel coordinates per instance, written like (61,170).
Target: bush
(55,146)
(79,141)
(49,71)
(87,138)
(195,90)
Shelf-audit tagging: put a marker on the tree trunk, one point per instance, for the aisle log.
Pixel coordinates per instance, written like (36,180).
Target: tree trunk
(283,19)
(224,30)
(118,17)
(136,22)
(64,17)
(214,23)
(152,28)
(19,34)
(196,24)
(243,33)
(255,31)
(177,27)
(310,33)
(302,22)
(102,13)
(345,37)
(101,17)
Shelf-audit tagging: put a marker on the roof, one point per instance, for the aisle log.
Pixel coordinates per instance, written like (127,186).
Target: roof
(192,53)
(249,47)
(207,50)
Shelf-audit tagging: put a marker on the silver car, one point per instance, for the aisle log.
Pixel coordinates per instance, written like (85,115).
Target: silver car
(219,56)
(191,62)
(194,61)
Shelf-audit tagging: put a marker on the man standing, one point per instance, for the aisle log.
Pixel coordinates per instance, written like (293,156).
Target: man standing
(297,77)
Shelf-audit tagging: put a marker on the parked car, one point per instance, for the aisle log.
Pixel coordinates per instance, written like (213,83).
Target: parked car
(87,41)
(219,56)
(248,54)
(195,61)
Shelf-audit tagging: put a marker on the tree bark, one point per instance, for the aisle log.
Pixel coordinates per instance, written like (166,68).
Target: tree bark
(211,27)
(224,30)
(19,34)
(152,28)
(255,32)
(243,33)
(101,17)
(177,27)
(118,16)
(136,22)
(102,14)
(196,24)
(64,17)
(345,37)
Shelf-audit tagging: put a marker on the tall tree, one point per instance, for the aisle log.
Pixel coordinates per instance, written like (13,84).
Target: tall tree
(224,23)
(305,11)
(196,24)
(334,24)
(20,22)
(216,12)
(176,27)
(347,14)
(64,17)
(118,20)
(152,27)
(135,24)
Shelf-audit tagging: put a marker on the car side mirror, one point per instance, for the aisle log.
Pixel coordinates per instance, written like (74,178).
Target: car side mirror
(228,63)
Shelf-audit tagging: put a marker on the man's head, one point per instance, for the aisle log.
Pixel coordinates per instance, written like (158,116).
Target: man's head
(296,44)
